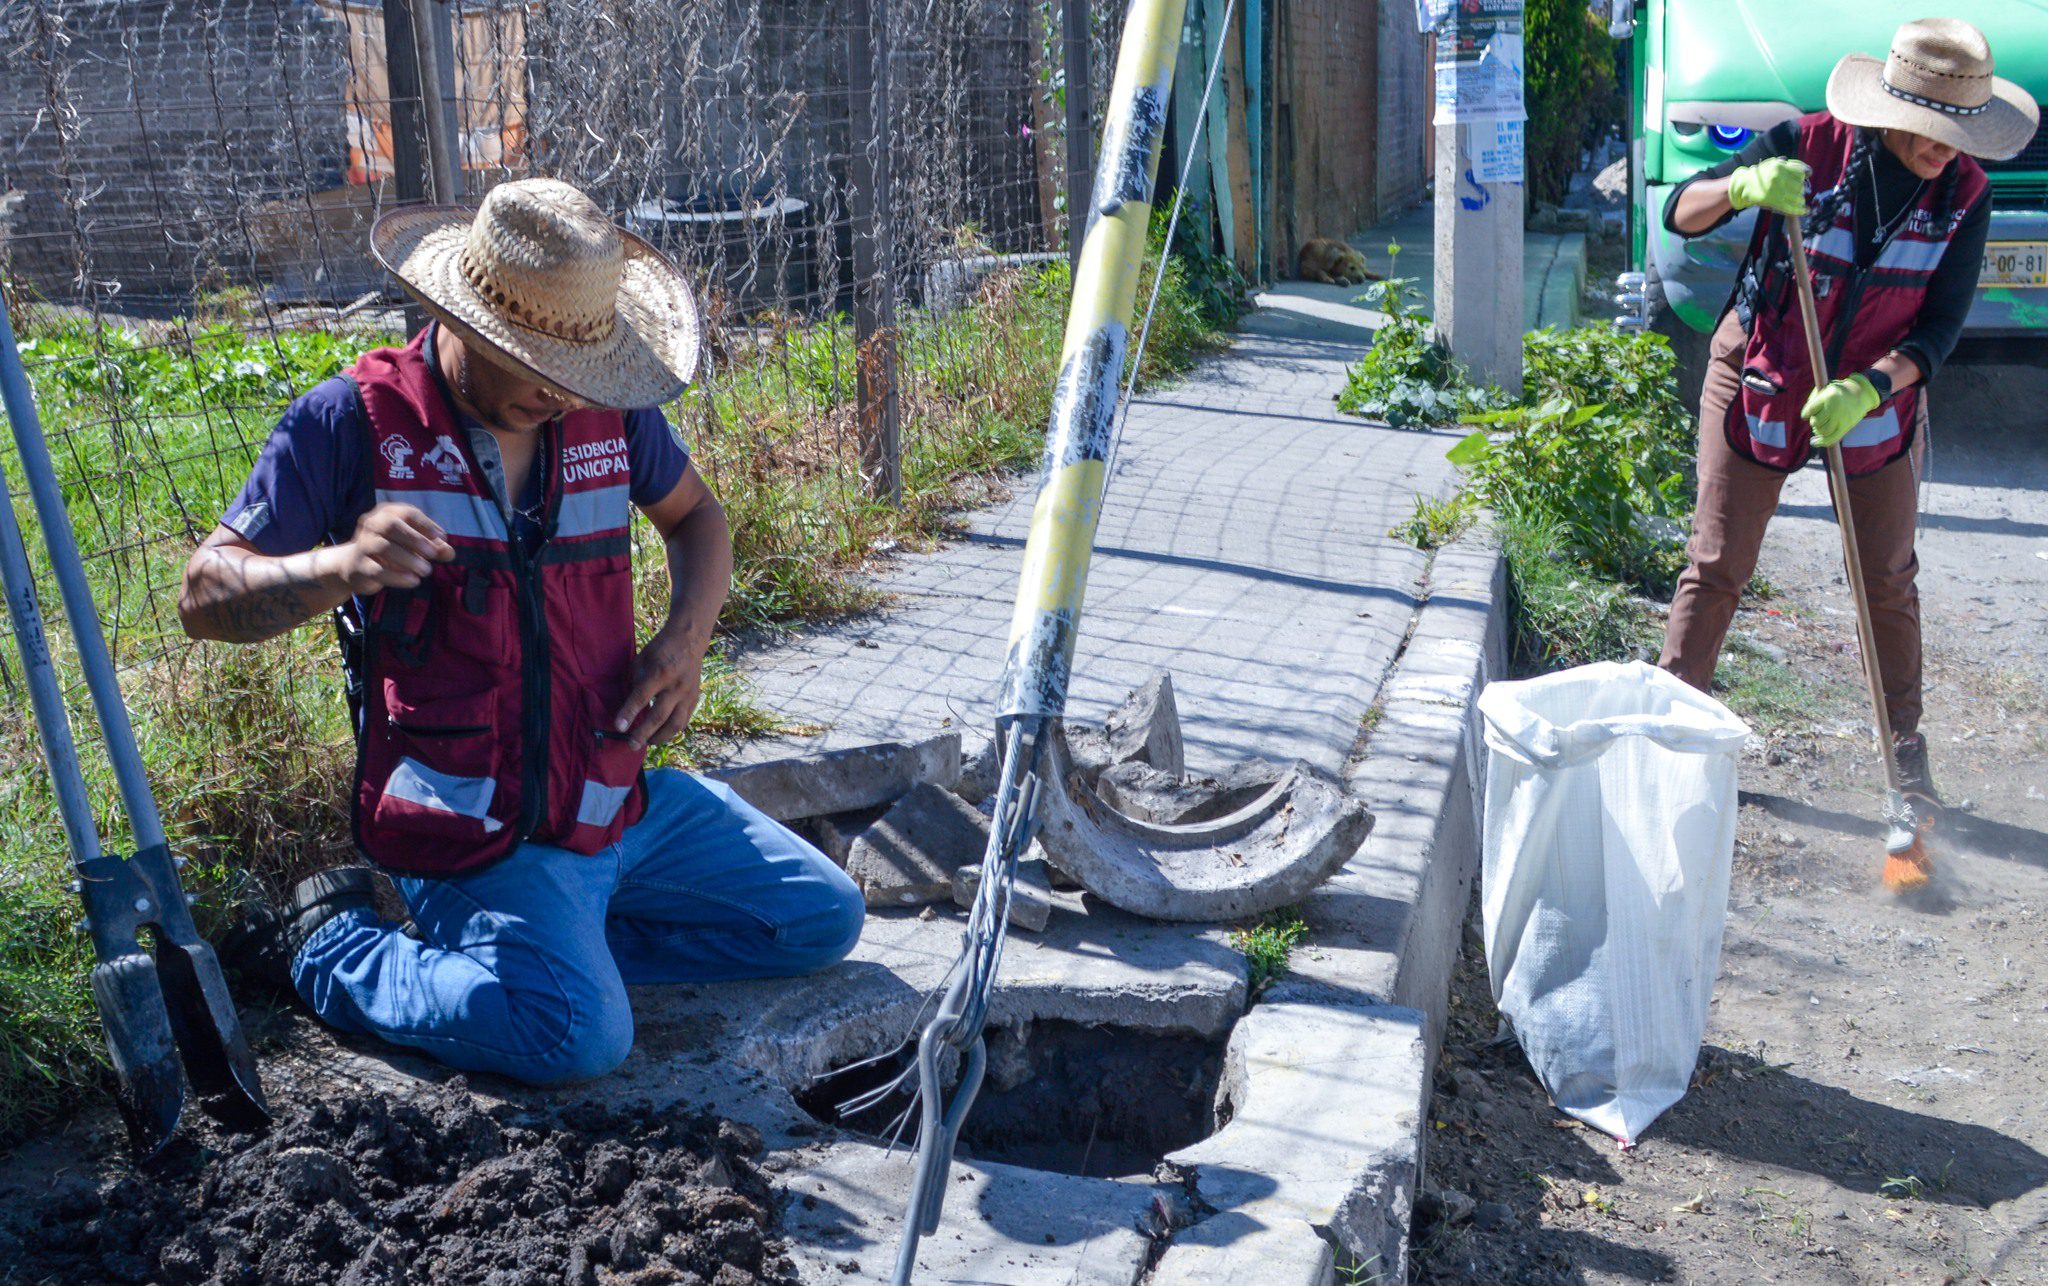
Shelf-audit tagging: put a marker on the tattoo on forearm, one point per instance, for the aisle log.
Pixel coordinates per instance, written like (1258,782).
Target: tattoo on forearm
(242,612)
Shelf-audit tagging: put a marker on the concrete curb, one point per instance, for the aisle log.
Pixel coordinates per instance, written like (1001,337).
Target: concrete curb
(1369,988)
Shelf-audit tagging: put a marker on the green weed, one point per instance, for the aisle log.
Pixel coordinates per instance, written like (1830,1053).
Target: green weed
(1902,1188)
(1267,946)
(1408,377)
(1435,523)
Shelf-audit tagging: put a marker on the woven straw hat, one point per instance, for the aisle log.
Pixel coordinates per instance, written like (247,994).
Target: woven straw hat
(1937,83)
(539,274)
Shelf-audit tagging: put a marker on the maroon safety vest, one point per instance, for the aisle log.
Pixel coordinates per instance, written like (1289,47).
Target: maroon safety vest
(489,691)
(1864,313)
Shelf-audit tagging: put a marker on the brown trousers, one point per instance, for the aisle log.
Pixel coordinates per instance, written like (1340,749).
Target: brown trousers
(1736,501)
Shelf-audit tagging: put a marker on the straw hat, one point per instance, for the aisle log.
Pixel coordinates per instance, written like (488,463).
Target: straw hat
(540,275)
(1937,83)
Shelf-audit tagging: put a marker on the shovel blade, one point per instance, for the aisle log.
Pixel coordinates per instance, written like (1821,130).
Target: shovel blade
(151,1089)
(209,1034)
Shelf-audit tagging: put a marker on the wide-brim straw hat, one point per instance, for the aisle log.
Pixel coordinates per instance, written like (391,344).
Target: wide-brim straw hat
(540,275)
(1937,83)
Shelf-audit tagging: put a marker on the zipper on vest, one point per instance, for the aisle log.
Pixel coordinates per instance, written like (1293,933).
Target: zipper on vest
(534,659)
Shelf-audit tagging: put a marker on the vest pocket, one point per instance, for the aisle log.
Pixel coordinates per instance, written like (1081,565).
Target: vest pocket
(438,757)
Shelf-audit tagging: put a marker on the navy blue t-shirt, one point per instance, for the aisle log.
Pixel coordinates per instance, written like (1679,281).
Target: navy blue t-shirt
(311,482)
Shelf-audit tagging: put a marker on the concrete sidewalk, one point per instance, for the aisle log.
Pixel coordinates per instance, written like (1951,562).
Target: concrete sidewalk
(1243,546)
(1553,268)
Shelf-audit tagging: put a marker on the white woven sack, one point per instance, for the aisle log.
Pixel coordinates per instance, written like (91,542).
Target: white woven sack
(1610,825)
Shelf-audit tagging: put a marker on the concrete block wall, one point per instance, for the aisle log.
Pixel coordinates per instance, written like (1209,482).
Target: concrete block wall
(141,131)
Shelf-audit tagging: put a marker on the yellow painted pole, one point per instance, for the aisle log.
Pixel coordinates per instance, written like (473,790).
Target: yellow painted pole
(1054,580)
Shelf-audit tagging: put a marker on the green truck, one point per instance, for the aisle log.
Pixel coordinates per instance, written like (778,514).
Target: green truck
(1708,75)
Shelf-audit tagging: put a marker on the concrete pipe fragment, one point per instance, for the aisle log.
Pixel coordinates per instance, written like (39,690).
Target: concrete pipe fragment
(1265,854)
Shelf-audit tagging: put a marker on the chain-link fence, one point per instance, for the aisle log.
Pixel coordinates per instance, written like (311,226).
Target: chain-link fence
(186,190)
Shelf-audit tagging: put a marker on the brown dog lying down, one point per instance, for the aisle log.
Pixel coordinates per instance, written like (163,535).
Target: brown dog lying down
(1333,263)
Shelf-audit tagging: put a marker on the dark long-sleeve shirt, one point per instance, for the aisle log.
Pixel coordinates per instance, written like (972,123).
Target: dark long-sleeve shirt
(1952,288)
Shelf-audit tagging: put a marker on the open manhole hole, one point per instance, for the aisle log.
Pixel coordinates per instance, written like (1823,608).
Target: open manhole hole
(1106,1102)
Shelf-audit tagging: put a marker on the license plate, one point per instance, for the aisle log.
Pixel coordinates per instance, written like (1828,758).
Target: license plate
(2015,263)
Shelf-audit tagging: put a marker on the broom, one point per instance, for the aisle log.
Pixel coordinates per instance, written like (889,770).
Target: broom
(1906,863)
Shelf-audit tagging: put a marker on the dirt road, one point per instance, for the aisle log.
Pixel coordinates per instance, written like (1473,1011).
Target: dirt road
(1870,1105)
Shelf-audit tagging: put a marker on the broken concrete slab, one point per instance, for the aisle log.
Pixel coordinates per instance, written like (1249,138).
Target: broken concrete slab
(840,781)
(978,773)
(908,857)
(1271,852)
(1144,793)
(843,1220)
(1145,729)
(1030,894)
(1323,1149)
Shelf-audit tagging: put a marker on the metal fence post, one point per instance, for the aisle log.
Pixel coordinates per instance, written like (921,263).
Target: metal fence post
(874,255)
(1074,15)
(408,157)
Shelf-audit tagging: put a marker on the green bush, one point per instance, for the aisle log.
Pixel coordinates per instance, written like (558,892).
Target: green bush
(1596,450)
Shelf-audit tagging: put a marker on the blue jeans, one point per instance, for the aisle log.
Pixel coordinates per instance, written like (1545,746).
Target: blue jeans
(525,964)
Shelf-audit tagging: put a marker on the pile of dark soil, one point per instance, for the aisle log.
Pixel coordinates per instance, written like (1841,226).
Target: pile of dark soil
(365,1191)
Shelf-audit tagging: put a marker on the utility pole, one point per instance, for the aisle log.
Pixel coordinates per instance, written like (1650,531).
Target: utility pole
(1480,189)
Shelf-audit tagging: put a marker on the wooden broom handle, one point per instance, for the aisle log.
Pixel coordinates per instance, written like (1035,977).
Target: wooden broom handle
(1838,484)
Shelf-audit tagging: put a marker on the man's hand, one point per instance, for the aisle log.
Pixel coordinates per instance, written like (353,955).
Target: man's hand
(1775,183)
(668,677)
(395,547)
(1838,408)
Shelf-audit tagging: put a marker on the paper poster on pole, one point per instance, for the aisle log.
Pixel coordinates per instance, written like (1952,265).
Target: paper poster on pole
(1497,152)
(1479,63)
(1430,14)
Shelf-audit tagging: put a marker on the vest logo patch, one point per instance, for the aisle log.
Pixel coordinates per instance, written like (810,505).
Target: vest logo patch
(595,460)
(396,451)
(447,458)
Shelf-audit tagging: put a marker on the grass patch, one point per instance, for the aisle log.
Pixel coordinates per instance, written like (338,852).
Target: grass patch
(153,429)
(1767,693)
(1267,946)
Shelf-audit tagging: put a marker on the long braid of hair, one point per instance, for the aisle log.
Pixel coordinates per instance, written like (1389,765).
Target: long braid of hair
(1822,216)
(1945,197)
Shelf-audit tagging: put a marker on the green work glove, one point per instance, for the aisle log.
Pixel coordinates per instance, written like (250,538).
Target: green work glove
(1838,408)
(1775,183)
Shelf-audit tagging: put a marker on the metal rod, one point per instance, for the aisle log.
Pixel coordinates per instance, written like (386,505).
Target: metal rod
(1838,485)
(1074,19)
(69,569)
(45,694)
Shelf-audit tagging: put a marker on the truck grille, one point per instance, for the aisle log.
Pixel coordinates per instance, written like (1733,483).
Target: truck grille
(2035,157)
(2021,194)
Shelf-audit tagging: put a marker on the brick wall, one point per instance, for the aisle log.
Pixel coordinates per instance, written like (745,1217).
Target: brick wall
(1351,117)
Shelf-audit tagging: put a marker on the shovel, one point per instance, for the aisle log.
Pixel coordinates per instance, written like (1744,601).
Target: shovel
(171,1026)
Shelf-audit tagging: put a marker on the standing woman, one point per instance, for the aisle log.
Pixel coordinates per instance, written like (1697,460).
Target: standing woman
(1895,233)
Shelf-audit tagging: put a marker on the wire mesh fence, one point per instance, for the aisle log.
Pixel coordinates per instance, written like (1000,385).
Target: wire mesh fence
(186,189)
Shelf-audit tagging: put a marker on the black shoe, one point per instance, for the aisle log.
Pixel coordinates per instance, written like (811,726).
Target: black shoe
(263,945)
(1916,782)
